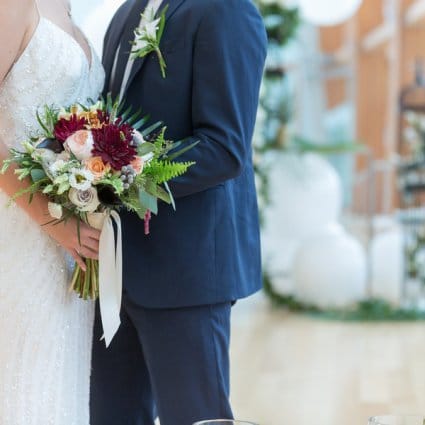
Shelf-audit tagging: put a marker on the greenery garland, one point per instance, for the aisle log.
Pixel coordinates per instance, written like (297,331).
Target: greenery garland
(372,310)
(281,22)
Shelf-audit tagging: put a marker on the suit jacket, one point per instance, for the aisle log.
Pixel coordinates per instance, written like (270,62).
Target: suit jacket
(208,250)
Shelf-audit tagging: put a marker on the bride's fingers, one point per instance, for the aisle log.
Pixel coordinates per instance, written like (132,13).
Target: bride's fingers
(79,260)
(92,244)
(85,252)
(92,233)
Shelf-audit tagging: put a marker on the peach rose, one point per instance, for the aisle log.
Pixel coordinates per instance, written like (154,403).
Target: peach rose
(137,164)
(97,167)
(80,144)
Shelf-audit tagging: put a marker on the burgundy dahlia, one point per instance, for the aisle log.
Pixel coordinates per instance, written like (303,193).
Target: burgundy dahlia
(111,144)
(103,117)
(126,130)
(66,127)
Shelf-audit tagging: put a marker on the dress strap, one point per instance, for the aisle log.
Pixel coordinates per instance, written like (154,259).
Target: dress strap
(37,9)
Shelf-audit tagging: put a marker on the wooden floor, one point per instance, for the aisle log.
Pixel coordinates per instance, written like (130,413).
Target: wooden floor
(294,370)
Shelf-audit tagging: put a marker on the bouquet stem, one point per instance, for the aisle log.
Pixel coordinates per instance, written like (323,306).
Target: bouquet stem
(86,283)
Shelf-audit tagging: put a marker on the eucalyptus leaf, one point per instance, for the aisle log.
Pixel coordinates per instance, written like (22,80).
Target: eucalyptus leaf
(145,148)
(163,195)
(37,175)
(155,190)
(148,201)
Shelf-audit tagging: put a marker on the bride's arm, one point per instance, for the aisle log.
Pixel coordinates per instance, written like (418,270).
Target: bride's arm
(18,20)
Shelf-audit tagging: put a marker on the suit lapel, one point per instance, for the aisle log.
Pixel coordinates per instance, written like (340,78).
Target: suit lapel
(173,5)
(111,46)
(121,39)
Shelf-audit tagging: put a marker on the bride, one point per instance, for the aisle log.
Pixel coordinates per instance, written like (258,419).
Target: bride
(45,332)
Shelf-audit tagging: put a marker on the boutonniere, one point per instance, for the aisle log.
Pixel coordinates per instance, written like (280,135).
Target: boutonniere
(148,37)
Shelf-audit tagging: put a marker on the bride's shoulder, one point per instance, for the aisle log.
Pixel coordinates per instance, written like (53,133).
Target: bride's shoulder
(17,10)
(18,19)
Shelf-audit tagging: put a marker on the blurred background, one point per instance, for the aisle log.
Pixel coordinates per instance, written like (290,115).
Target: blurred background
(337,334)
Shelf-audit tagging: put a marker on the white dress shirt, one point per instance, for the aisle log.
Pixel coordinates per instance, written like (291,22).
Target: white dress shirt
(151,8)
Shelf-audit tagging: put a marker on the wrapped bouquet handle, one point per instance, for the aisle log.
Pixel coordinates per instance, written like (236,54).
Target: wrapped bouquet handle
(110,271)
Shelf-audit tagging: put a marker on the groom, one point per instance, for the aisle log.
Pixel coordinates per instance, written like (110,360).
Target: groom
(170,357)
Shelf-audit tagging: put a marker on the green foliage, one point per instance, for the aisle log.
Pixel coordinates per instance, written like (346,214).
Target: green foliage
(148,201)
(131,201)
(371,310)
(151,129)
(303,145)
(37,174)
(163,171)
(47,120)
(115,181)
(281,22)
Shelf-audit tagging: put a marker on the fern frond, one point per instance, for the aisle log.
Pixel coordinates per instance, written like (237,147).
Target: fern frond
(164,171)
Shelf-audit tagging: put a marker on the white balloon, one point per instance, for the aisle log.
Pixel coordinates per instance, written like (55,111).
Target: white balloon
(330,269)
(306,195)
(387,265)
(328,12)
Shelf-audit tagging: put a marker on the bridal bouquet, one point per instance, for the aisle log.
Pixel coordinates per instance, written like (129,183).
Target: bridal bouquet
(93,160)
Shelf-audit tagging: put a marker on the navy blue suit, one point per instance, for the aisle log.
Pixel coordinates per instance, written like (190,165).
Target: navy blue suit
(180,280)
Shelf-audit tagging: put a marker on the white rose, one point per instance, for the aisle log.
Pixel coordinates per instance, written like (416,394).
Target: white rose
(85,200)
(55,210)
(80,144)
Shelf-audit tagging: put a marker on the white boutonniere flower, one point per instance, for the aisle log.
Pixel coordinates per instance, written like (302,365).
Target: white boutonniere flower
(148,37)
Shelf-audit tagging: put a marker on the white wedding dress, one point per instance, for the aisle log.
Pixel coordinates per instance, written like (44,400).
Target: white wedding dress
(45,331)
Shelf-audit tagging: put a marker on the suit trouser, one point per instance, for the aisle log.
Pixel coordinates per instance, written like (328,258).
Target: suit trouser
(173,363)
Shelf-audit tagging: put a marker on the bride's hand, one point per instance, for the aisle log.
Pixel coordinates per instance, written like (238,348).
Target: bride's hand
(66,235)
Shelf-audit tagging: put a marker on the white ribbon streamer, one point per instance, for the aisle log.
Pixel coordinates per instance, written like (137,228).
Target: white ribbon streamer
(110,272)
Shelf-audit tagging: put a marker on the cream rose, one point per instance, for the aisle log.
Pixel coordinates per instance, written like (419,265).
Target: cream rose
(97,167)
(85,200)
(80,144)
